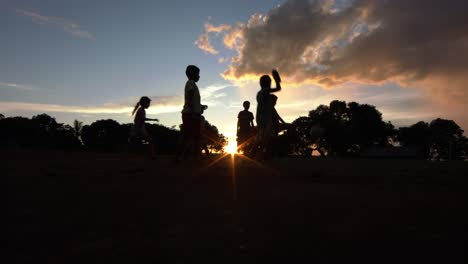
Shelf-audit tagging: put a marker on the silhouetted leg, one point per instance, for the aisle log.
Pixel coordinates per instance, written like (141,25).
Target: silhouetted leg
(196,138)
(179,148)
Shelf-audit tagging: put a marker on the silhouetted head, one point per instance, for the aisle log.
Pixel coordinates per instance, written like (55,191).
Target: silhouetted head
(193,73)
(246,105)
(144,102)
(265,81)
(274,99)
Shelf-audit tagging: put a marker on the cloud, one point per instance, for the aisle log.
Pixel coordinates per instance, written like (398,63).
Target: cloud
(159,104)
(217,29)
(63,24)
(212,93)
(19,87)
(203,43)
(417,43)
(331,42)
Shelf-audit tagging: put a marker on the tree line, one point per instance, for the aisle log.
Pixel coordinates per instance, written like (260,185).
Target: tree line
(44,132)
(353,129)
(339,129)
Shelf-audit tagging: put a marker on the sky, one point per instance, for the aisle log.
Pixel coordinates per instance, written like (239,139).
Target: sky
(91,60)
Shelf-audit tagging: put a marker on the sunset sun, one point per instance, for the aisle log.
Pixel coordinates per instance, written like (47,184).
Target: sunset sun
(231,148)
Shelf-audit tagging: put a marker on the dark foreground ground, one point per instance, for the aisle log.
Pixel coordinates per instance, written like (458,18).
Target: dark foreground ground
(112,208)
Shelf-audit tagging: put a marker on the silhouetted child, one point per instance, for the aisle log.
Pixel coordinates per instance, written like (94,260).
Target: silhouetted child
(191,113)
(139,131)
(264,116)
(245,125)
(278,122)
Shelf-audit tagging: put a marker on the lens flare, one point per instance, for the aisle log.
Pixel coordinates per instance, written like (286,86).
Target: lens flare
(231,148)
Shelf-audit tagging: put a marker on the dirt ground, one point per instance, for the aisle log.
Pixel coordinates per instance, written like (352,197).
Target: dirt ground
(122,208)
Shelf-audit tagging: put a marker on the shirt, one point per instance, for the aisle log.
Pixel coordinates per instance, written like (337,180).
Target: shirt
(140,117)
(139,129)
(245,117)
(191,96)
(264,114)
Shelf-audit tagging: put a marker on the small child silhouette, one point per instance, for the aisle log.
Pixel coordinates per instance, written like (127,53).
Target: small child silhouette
(139,131)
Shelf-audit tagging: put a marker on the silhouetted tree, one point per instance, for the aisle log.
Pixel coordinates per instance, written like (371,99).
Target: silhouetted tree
(77,128)
(416,136)
(447,139)
(65,138)
(15,132)
(105,135)
(42,131)
(216,140)
(465,148)
(441,139)
(366,127)
(342,129)
(2,116)
(298,136)
(165,138)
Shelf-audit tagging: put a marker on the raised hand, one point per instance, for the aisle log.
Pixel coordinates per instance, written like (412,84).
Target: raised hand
(276,76)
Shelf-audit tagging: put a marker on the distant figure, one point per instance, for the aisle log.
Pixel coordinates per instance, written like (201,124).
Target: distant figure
(191,113)
(245,126)
(139,132)
(264,115)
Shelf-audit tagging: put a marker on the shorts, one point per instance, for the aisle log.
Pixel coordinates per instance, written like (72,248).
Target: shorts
(191,126)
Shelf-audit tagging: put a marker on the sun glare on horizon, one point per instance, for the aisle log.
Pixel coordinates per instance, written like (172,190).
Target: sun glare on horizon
(231,148)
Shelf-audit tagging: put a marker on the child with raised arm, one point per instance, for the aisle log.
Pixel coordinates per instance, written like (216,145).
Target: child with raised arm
(139,131)
(264,115)
(191,113)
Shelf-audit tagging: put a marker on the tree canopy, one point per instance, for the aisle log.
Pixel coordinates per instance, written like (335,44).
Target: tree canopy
(336,129)
(349,129)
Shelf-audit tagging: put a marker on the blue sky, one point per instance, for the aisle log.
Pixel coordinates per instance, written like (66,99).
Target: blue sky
(90,60)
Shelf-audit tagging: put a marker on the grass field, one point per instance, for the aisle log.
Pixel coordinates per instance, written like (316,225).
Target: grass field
(114,208)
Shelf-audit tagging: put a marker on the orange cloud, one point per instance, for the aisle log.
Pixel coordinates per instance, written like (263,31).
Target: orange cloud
(417,43)
(203,43)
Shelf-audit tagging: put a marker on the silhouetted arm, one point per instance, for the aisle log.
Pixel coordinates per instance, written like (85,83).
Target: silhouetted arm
(277,79)
(281,119)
